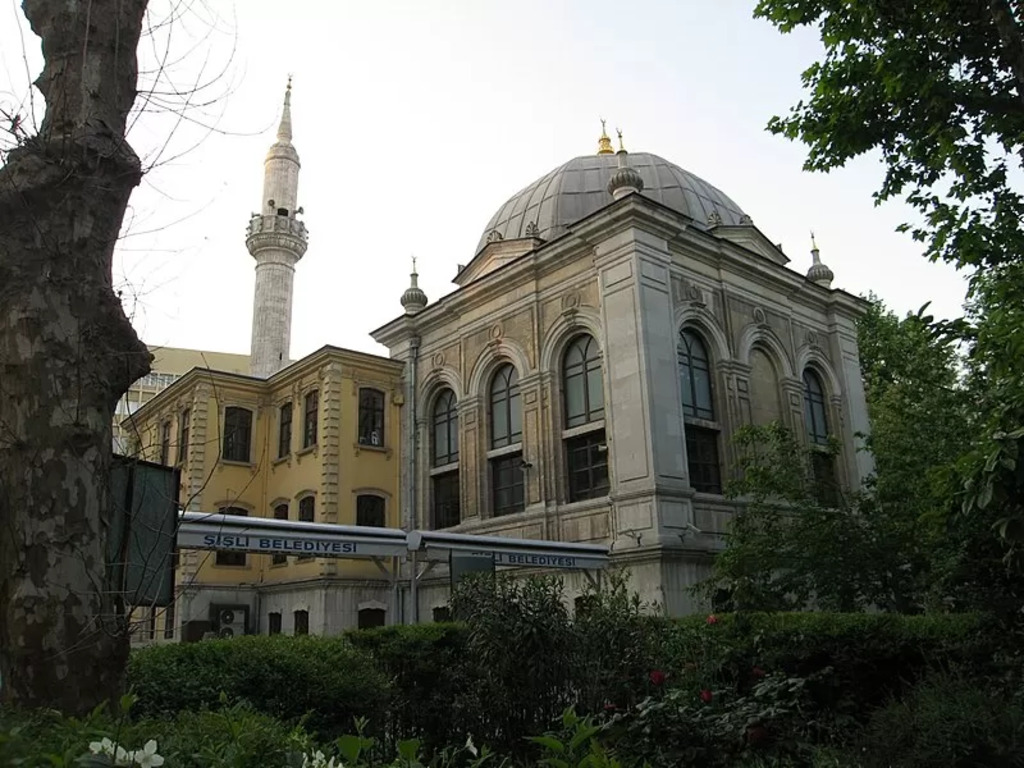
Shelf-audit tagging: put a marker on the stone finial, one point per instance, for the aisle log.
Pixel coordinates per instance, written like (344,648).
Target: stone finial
(494,236)
(819,273)
(414,300)
(745,219)
(532,230)
(714,219)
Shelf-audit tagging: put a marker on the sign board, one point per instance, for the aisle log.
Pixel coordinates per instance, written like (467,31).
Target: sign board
(141,538)
(261,539)
(463,564)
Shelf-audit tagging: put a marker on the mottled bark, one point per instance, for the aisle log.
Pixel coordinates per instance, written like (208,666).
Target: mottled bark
(67,353)
(1010,37)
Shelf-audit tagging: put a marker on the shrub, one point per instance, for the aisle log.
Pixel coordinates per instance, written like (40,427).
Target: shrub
(430,674)
(285,677)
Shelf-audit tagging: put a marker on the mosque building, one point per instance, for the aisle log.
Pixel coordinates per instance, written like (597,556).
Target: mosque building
(620,320)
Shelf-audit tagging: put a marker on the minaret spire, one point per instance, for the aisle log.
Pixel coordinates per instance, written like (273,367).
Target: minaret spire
(414,299)
(284,130)
(604,144)
(277,240)
(819,273)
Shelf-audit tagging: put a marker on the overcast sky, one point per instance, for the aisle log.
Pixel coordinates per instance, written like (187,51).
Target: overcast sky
(416,120)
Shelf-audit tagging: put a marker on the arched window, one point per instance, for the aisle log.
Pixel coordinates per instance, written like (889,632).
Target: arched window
(581,380)
(698,413)
(506,408)
(815,415)
(444,455)
(507,486)
(370,511)
(371,617)
(695,376)
(445,447)
(586,452)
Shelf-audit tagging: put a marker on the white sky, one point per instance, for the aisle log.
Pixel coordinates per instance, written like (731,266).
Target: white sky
(416,120)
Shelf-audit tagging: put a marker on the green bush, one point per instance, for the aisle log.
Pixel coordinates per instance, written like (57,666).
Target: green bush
(430,674)
(950,720)
(288,678)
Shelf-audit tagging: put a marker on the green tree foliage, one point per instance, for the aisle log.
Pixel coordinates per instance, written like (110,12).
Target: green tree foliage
(937,88)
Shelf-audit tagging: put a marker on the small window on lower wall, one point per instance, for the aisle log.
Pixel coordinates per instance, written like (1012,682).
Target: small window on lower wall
(587,462)
(507,484)
(702,458)
(231,558)
(301,622)
(370,511)
(823,475)
(446,500)
(372,617)
(274,623)
(442,614)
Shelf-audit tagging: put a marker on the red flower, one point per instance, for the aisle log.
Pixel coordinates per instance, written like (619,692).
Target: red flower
(705,696)
(657,677)
(712,619)
(757,672)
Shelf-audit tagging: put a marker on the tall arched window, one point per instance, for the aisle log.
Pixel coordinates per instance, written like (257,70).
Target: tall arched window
(506,456)
(586,452)
(815,414)
(699,413)
(444,457)
(506,408)
(581,380)
(695,376)
(823,471)
(445,445)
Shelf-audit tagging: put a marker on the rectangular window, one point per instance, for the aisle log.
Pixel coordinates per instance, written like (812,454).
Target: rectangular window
(280,513)
(165,442)
(307,514)
(312,412)
(372,617)
(301,620)
(587,460)
(823,475)
(169,621)
(274,623)
(702,458)
(184,429)
(507,484)
(446,500)
(370,511)
(231,558)
(284,435)
(371,417)
(237,434)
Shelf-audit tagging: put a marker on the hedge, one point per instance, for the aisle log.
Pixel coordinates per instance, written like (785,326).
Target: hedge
(423,682)
(326,680)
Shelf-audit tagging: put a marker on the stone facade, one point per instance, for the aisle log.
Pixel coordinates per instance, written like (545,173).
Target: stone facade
(631,276)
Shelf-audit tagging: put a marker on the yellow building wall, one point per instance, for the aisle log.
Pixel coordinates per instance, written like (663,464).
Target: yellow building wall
(336,468)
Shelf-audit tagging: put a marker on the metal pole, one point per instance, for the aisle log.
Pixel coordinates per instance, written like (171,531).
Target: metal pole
(414,577)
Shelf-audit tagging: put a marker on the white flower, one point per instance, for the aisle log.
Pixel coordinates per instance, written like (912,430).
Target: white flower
(470,746)
(147,756)
(105,747)
(123,756)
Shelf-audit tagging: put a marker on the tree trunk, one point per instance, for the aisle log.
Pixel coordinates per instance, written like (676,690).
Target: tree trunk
(1010,37)
(67,354)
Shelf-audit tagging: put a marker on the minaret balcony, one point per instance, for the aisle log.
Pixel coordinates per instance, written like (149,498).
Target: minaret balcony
(275,223)
(276,232)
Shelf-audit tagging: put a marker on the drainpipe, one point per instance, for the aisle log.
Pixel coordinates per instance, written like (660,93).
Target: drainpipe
(411,445)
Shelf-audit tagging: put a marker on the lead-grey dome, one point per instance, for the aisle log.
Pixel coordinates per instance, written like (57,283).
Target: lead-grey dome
(578,188)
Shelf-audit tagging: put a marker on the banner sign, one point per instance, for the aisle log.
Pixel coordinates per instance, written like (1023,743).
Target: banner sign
(277,542)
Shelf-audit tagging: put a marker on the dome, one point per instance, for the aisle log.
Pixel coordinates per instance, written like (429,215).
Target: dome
(580,187)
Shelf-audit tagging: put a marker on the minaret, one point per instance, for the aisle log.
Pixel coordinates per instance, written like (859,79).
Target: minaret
(624,180)
(277,240)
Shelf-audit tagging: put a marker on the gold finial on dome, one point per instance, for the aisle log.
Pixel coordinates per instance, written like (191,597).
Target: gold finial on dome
(604,144)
